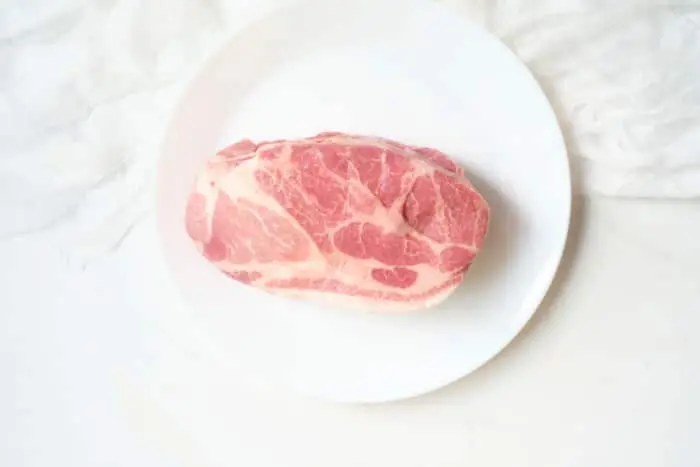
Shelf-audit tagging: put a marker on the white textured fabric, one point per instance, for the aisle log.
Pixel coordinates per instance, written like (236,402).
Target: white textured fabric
(624,79)
(86,88)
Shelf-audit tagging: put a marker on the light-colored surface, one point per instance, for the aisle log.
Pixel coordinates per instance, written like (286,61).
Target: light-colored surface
(86,88)
(426,78)
(98,371)
(101,369)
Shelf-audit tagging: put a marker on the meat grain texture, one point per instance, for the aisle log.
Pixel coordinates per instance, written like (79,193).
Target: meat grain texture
(358,221)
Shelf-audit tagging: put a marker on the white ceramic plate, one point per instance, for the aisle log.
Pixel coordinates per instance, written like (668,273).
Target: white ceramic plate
(414,71)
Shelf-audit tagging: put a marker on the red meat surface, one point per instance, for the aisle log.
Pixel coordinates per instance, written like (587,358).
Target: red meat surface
(360,221)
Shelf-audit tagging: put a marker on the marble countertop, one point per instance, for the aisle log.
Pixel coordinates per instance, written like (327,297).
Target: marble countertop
(104,370)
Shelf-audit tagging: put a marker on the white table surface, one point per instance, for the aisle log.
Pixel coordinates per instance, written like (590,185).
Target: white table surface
(100,369)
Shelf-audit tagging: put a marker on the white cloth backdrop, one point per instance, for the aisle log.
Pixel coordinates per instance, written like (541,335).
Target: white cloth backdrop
(86,87)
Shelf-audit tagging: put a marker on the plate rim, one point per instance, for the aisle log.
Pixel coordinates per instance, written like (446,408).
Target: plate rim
(208,63)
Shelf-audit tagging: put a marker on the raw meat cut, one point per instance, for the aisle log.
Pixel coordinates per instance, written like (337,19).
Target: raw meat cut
(360,221)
